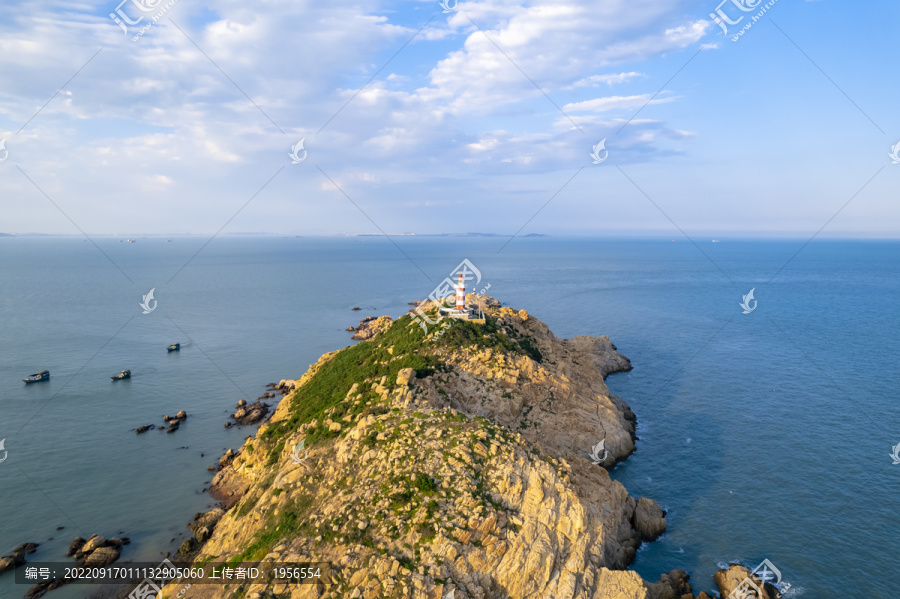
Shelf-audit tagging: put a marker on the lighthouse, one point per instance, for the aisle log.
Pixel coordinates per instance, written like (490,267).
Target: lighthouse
(461,294)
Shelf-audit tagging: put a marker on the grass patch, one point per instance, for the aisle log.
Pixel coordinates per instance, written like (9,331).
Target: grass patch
(424,484)
(290,523)
(356,364)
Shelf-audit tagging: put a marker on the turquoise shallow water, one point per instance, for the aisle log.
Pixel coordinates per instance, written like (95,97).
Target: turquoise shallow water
(764,435)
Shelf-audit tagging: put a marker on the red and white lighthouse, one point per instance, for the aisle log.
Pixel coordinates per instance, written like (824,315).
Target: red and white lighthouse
(461,294)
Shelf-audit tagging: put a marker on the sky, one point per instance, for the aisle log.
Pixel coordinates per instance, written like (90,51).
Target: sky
(184,117)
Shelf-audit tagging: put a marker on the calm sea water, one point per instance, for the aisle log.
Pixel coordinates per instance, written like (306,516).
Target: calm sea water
(765,435)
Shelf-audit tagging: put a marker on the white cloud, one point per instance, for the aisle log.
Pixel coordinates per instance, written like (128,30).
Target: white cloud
(161,106)
(613,102)
(608,79)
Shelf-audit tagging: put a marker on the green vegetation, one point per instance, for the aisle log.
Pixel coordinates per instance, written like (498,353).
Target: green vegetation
(291,522)
(465,333)
(356,364)
(424,484)
(409,495)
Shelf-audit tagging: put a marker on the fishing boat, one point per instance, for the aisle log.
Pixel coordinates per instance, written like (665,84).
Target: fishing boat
(125,374)
(43,375)
(174,347)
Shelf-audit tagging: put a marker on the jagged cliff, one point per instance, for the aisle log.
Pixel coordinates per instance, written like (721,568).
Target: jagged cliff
(448,463)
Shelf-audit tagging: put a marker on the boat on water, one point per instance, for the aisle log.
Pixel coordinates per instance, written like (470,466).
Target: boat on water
(43,375)
(174,347)
(125,374)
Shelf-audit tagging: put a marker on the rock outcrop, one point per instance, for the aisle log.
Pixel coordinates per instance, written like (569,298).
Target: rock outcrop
(174,422)
(17,556)
(95,552)
(735,575)
(371,326)
(649,519)
(452,461)
(247,414)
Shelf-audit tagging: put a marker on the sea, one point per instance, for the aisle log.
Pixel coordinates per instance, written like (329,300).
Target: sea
(766,424)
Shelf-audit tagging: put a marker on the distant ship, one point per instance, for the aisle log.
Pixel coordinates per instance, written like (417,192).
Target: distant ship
(125,374)
(174,347)
(43,375)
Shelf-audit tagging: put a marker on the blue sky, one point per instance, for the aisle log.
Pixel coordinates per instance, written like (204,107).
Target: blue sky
(769,135)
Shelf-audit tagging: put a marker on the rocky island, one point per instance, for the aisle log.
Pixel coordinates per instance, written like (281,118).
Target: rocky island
(466,464)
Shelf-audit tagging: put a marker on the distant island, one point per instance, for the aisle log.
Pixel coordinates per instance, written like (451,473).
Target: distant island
(448,235)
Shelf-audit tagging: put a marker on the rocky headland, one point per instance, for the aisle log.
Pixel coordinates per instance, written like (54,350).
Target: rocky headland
(465,462)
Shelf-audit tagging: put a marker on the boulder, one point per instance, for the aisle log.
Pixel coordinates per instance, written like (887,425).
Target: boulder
(102,556)
(371,326)
(144,429)
(203,533)
(26,548)
(181,415)
(11,562)
(672,585)
(227,458)
(251,413)
(204,523)
(405,377)
(41,588)
(75,546)
(187,546)
(93,543)
(731,578)
(649,519)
